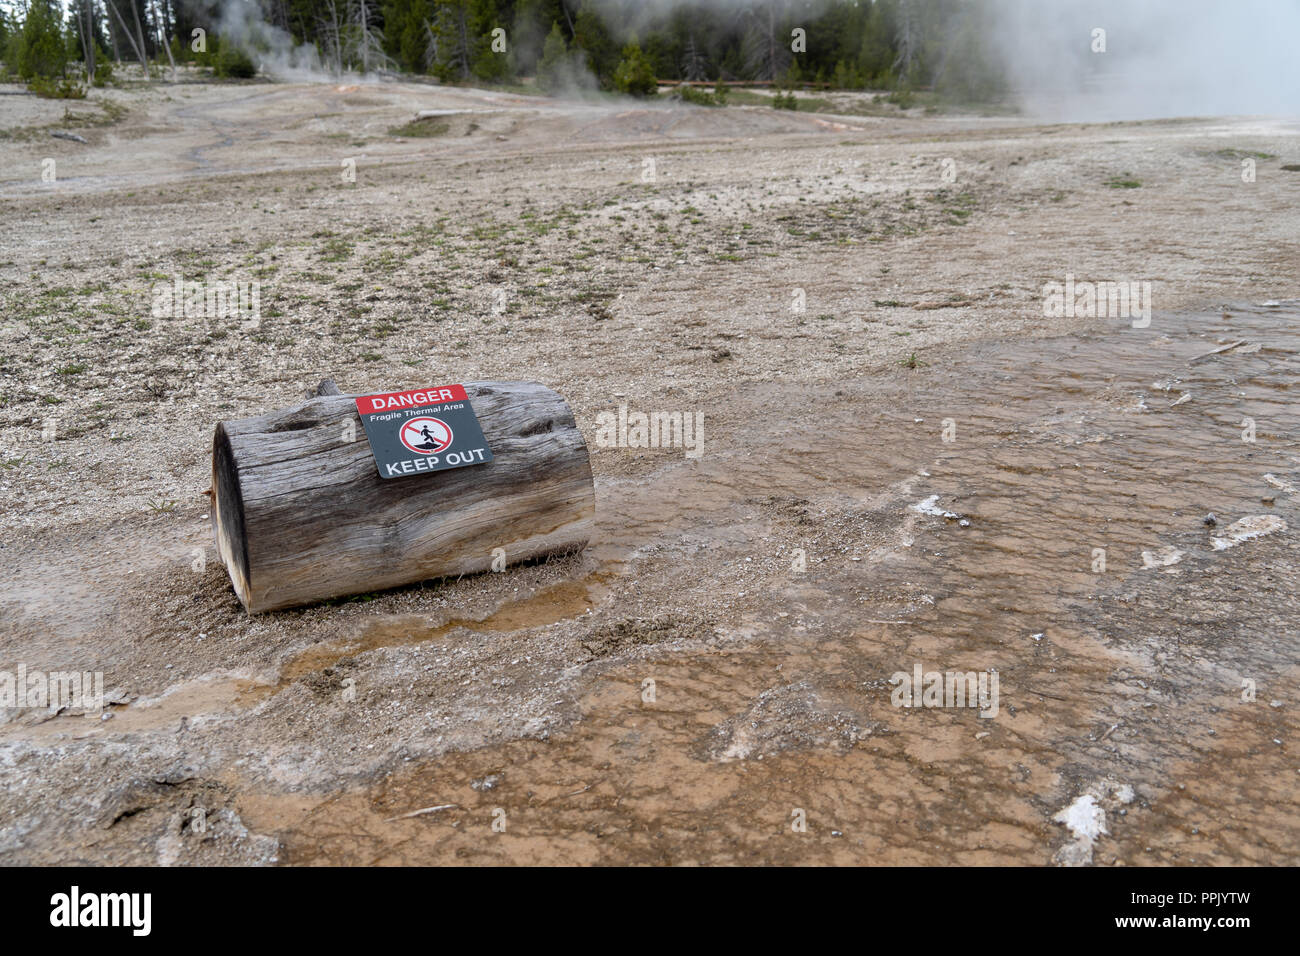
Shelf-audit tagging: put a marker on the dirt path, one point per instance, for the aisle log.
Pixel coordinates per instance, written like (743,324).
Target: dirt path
(519,704)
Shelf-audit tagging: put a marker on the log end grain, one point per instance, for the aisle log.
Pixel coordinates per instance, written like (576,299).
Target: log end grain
(300,513)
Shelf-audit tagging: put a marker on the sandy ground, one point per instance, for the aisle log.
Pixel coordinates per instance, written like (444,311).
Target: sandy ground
(716,667)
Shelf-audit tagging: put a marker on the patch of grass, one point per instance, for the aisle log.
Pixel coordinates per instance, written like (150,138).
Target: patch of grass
(425,127)
(1241,154)
(959,209)
(748,98)
(110,114)
(1124,182)
(336,250)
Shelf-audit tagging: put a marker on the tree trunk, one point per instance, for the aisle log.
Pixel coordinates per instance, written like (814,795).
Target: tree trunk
(139,51)
(166,40)
(333,38)
(364,17)
(300,513)
(86,30)
(139,31)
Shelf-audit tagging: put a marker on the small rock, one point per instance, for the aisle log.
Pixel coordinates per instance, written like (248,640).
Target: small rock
(1209,520)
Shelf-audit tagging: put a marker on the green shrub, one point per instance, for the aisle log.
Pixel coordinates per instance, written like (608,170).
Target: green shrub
(235,63)
(103,66)
(57,88)
(635,74)
(690,94)
(902,98)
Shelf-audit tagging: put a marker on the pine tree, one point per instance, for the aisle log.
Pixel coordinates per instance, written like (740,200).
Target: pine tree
(492,60)
(767,41)
(907,42)
(331,34)
(404,32)
(39,52)
(693,63)
(528,33)
(457,44)
(555,54)
(364,45)
(592,37)
(634,74)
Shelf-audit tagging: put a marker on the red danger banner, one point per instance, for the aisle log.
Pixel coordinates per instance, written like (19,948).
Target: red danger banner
(413,399)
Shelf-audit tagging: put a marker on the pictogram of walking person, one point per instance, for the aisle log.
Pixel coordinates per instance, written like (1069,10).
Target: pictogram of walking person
(429,440)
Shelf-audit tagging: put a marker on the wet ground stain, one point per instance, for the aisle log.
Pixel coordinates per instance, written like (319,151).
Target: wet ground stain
(1086,517)
(1166,687)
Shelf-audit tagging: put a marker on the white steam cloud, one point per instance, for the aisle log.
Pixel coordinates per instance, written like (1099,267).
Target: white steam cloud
(240,22)
(1163,58)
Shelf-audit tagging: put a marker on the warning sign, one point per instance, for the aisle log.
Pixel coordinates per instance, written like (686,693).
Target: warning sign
(430,429)
(425,435)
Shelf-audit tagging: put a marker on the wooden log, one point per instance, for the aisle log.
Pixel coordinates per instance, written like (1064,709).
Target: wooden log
(300,513)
